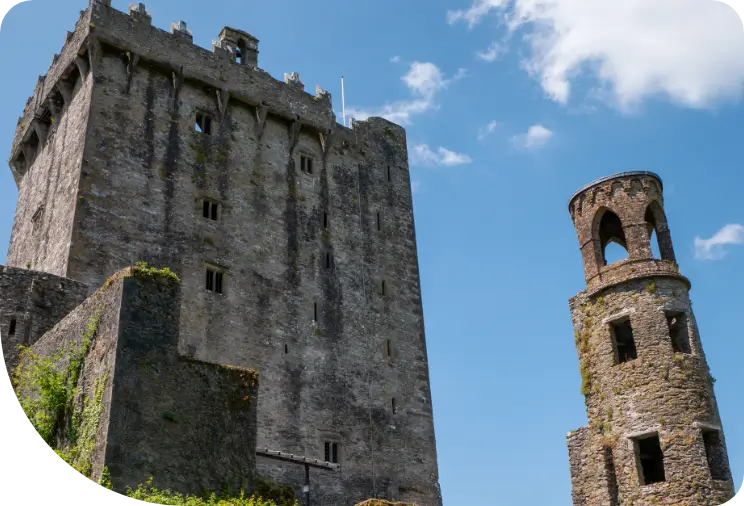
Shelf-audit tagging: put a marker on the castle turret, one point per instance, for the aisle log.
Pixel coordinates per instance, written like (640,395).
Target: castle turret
(654,433)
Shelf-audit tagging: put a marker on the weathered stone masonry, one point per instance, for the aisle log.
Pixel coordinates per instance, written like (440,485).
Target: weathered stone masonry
(654,433)
(318,262)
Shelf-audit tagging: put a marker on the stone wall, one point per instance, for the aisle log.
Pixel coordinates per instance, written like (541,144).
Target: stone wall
(31,303)
(189,425)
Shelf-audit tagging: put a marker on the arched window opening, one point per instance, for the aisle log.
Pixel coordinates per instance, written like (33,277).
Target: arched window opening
(658,233)
(612,239)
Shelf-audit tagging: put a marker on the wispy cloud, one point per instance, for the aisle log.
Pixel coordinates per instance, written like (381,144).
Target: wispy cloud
(493,53)
(423,155)
(688,51)
(424,80)
(487,130)
(536,136)
(395,59)
(715,247)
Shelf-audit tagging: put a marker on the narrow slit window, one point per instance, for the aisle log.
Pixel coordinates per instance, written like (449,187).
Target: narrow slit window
(36,218)
(12,327)
(331,452)
(325,220)
(328,260)
(210,210)
(203,123)
(239,55)
(379,222)
(286,349)
(394,406)
(383,288)
(678,334)
(388,348)
(389,175)
(651,460)
(717,462)
(315,311)
(214,280)
(625,348)
(306,164)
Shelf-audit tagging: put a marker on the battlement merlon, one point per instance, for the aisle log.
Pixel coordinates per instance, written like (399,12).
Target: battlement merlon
(102,26)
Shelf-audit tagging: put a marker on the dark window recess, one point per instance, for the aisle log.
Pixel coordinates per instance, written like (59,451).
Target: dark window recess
(379,222)
(622,335)
(331,452)
(389,176)
(383,288)
(286,349)
(325,220)
(612,485)
(36,218)
(210,210)
(388,348)
(203,123)
(328,260)
(677,323)
(651,459)
(717,462)
(12,327)
(394,406)
(214,280)
(315,311)
(306,164)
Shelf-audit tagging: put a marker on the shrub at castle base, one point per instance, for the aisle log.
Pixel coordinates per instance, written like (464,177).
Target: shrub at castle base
(108,391)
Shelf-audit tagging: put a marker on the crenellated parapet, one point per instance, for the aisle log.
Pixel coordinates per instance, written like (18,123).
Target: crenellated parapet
(230,68)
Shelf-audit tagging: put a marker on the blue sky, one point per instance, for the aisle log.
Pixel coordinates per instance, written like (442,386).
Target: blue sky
(509,108)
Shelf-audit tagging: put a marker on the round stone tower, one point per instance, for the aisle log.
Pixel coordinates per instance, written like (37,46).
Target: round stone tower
(654,435)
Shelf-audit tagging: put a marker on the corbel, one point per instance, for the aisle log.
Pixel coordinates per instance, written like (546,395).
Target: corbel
(177,76)
(223,98)
(294,134)
(65,90)
(132,61)
(261,110)
(325,142)
(95,52)
(82,66)
(41,130)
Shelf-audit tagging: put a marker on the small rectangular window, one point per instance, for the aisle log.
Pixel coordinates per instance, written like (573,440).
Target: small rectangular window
(325,220)
(394,406)
(238,56)
(12,327)
(210,210)
(624,344)
(678,334)
(214,280)
(328,260)
(650,459)
(306,164)
(331,452)
(203,123)
(286,349)
(714,451)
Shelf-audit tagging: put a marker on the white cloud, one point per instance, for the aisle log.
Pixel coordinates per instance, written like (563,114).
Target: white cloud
(487,130)
(535,137)
(424,80)
(714,248)
(2,11)
(689,51)
(395,59)
(494,51)
(423,155)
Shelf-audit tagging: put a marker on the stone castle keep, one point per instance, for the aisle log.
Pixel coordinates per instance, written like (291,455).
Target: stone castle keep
(654,435)
(293,241)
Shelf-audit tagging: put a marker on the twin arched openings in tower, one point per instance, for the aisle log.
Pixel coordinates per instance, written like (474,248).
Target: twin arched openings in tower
(610,236)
